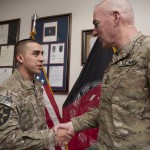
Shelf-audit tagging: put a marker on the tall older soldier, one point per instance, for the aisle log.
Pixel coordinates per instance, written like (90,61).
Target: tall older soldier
(22,116)
(124,113)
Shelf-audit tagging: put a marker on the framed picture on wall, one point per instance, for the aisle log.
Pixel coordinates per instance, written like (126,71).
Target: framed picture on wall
(87,41)
(53,33)
(9,36)
(9,32)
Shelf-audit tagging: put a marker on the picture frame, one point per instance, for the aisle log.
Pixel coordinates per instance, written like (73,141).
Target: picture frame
(87,42)
(9,36)
(54,34)
(9,31)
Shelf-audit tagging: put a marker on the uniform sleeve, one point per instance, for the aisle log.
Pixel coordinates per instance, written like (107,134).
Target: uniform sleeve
(87,120)
(13,138)
(148,66)
(147,106)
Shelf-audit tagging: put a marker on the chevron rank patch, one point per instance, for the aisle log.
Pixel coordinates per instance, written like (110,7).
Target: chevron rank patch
(4,114)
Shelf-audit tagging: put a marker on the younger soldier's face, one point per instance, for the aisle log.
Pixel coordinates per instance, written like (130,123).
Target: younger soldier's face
(33,58)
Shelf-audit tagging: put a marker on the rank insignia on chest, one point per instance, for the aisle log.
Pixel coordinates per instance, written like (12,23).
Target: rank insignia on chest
(127,63)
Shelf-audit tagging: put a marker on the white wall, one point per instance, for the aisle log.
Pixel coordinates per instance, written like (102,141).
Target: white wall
(82,11)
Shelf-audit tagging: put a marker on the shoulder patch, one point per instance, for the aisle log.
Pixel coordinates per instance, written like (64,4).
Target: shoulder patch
(6,100)
(4,114)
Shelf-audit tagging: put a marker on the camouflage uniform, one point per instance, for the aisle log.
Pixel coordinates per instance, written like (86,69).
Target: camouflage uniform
(22,116)
(124,115)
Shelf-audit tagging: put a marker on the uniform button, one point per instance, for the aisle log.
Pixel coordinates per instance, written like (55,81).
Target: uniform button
(22,141)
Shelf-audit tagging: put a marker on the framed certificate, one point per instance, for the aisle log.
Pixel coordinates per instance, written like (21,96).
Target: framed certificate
(53,33)
(9,32)
(9,36)
(57,53)
(45,54)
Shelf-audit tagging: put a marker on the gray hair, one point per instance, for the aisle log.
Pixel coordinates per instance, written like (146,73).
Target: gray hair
(121,6)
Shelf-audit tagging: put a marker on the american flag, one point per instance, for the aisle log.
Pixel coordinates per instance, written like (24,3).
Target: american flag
(51,109)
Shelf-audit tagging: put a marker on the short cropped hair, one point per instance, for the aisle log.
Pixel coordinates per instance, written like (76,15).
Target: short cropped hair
(20,45)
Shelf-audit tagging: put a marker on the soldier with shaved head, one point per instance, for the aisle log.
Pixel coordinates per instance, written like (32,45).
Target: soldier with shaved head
(22,111)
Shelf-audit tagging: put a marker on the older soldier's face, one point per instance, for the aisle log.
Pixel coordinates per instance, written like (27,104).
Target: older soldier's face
(33,58)
(104,27)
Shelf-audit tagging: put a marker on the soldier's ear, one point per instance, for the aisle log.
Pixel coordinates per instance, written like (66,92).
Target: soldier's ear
(116,16)
(19,58)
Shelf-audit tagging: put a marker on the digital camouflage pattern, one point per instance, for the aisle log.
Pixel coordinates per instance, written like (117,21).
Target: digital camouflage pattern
(22,115)
(123,116)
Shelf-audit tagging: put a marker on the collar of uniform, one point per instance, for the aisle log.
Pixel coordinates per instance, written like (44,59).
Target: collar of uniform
(125,51)
(25,83)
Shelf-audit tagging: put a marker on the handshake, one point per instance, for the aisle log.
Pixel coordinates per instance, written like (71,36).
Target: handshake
(63,133)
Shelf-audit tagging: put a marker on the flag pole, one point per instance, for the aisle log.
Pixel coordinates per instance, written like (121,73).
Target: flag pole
(33,31)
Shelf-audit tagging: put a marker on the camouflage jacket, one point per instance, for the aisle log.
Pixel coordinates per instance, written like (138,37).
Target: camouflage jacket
(22,116)
(123,116)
